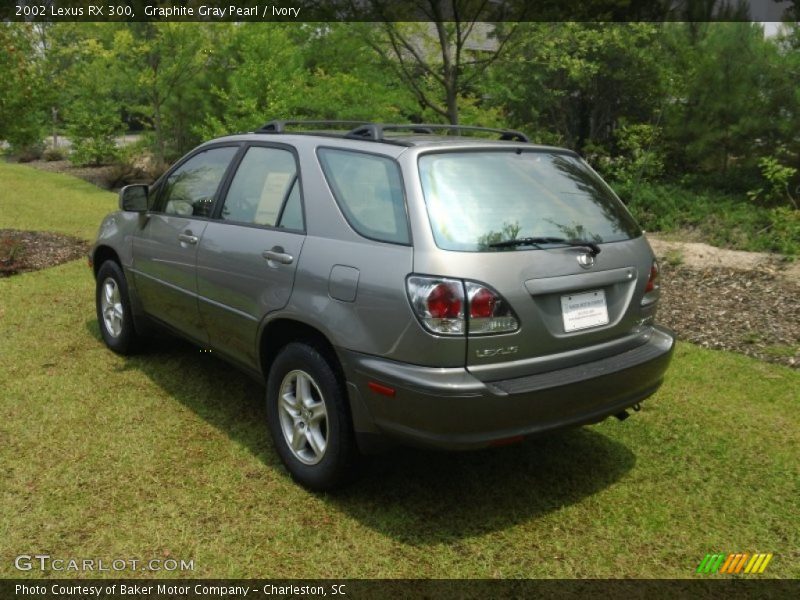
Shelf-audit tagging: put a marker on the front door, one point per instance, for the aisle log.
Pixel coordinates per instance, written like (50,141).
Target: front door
(165,249)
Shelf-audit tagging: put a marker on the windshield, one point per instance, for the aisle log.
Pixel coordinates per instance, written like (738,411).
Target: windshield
(476,199)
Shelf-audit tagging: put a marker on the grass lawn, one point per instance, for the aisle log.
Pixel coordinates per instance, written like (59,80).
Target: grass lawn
(167,454)
(40,200)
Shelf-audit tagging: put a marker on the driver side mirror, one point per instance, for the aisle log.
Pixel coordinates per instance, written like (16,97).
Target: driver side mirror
(133,198)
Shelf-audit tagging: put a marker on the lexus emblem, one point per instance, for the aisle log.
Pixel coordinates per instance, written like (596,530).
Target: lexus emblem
(586,260)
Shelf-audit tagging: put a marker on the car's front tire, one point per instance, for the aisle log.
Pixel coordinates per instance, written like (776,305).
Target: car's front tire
(114,313)
(309,419)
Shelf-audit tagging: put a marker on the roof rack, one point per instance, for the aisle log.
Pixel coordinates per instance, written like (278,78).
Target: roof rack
(375,131)
(279,126)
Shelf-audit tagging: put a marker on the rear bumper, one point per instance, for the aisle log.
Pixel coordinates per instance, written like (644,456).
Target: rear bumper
(451,409)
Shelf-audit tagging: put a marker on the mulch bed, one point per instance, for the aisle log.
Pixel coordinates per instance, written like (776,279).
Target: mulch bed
(754,312)
(22,251)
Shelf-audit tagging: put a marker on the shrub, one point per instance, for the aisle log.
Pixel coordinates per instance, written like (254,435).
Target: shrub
(638,157)
(778,178)
(28,153)
(93,127)
(719,219)
(53,154)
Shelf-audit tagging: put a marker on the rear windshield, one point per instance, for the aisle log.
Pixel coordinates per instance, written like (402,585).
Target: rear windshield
(475,199)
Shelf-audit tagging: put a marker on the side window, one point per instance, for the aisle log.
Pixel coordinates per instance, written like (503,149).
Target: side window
(264,181)
(369,192)
(292,216)
(190,189)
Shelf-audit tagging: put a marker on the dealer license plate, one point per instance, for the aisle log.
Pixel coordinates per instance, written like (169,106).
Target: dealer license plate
(581,311)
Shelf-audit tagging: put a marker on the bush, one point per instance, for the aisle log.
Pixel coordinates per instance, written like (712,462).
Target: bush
(28,153)
(784,230)
(638,157)
(93,127)
(136,164)
(53,154)
(778,179)
(719,219)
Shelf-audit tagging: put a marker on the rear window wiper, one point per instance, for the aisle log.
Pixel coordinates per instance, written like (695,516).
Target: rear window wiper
(536,241)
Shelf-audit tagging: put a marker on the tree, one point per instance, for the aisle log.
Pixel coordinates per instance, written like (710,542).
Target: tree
(578,83)
(343,79)
(163,64)
(306,71)
(23,93)
(264,78)
(443,59)
(718,116)
(93,113)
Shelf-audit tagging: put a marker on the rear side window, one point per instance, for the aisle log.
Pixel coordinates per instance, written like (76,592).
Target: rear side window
(265,190)
(475,199)
(369,192)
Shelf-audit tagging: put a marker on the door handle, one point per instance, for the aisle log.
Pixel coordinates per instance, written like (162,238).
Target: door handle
(187,238)
(276,254)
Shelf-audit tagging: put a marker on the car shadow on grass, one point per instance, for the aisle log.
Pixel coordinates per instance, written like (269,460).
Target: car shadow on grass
(428,497)
(416,496)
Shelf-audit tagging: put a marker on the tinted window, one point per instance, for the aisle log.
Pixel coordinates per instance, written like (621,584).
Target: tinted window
(477,198)
(190,189)
(264,180)
(369,192)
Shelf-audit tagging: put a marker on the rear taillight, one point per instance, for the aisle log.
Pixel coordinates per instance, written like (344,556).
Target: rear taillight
(651,290)
(488,312)
(444,301)
(453,307)
(439,304)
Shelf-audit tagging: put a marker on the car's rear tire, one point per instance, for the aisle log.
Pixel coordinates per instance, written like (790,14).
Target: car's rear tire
(309,419)
(114,315)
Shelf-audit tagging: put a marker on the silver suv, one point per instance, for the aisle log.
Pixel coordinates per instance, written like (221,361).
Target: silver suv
(386,282)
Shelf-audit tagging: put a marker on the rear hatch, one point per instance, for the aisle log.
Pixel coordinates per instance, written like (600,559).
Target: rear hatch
(541,230)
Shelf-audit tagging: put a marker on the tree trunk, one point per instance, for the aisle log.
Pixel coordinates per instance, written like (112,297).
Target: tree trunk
(54,113)
(452,105)
(157,130)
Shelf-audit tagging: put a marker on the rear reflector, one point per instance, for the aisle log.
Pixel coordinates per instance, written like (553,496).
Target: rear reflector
(379,388)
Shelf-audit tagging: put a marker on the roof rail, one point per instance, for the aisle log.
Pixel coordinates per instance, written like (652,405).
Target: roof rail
(364,130)
(375,131)
(279,125)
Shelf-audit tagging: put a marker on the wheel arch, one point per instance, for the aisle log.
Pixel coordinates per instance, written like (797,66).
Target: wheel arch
(102,254)
(276,334)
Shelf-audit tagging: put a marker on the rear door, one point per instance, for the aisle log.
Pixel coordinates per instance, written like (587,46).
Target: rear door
(248,255)
(165,248)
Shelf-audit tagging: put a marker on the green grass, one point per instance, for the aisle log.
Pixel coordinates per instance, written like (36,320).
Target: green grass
(43,201)
(167,453)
